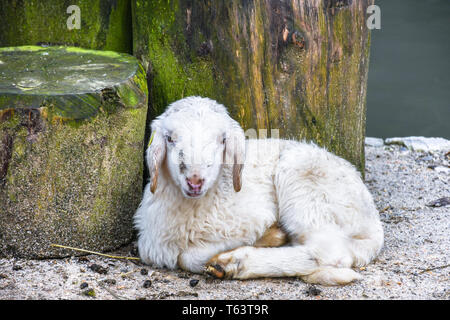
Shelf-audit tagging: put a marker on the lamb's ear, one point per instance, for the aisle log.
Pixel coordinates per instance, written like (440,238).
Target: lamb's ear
(156,152)
(235,152)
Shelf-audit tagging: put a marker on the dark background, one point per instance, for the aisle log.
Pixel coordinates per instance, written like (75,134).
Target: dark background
(409,80)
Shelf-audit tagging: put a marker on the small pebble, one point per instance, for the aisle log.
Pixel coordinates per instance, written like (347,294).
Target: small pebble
(84,285)
(17,267)
(147,284)
(442,202)
(98,268)
(425,158)
(83,259)
(134,252)
(193,282)
(313,291)
(144,272)
(109,281)
(89,293)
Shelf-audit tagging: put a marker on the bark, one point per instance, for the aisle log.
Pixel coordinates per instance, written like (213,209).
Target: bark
(297,66)
(72,125)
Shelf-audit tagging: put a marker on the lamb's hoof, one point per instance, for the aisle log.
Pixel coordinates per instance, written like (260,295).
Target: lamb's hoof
(228,264)
(215,270)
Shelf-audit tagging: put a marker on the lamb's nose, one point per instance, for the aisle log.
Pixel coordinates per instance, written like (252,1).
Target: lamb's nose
(195,182)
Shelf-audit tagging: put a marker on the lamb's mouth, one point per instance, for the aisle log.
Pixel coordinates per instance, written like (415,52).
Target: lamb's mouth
(193,193)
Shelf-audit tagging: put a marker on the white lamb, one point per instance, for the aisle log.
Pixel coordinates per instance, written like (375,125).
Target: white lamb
(301,211)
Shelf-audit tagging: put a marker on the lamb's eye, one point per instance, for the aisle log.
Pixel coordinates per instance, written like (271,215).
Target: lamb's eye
(169,139)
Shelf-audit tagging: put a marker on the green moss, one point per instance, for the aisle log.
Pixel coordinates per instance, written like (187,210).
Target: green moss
(20,146)
(90,293)
(177,76)
(103,53)
(119,36)
(128,95)
(13,120)
(24,48)
(141,79)
(104,24)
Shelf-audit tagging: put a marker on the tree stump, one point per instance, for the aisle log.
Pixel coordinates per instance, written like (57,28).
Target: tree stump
(72,125)
(103,24)
(297,66)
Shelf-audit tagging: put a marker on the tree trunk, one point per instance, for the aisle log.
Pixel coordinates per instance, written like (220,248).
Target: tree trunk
(297,66)
(72,125)
(105,24)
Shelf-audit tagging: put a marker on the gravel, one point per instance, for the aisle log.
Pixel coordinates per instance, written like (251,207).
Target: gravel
(413,264)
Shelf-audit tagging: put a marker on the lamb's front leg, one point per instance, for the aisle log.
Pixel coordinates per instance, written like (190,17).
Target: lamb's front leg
(200,259)
(251,262)
(195,258)
(291,261)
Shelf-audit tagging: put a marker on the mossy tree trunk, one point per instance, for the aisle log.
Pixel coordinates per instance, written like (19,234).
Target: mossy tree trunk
(105,24)
(297,66)
(72,125)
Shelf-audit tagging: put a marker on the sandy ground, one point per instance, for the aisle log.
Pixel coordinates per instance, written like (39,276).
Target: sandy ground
(414,263)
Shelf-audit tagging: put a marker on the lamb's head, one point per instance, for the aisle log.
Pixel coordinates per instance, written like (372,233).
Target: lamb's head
(194,138)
